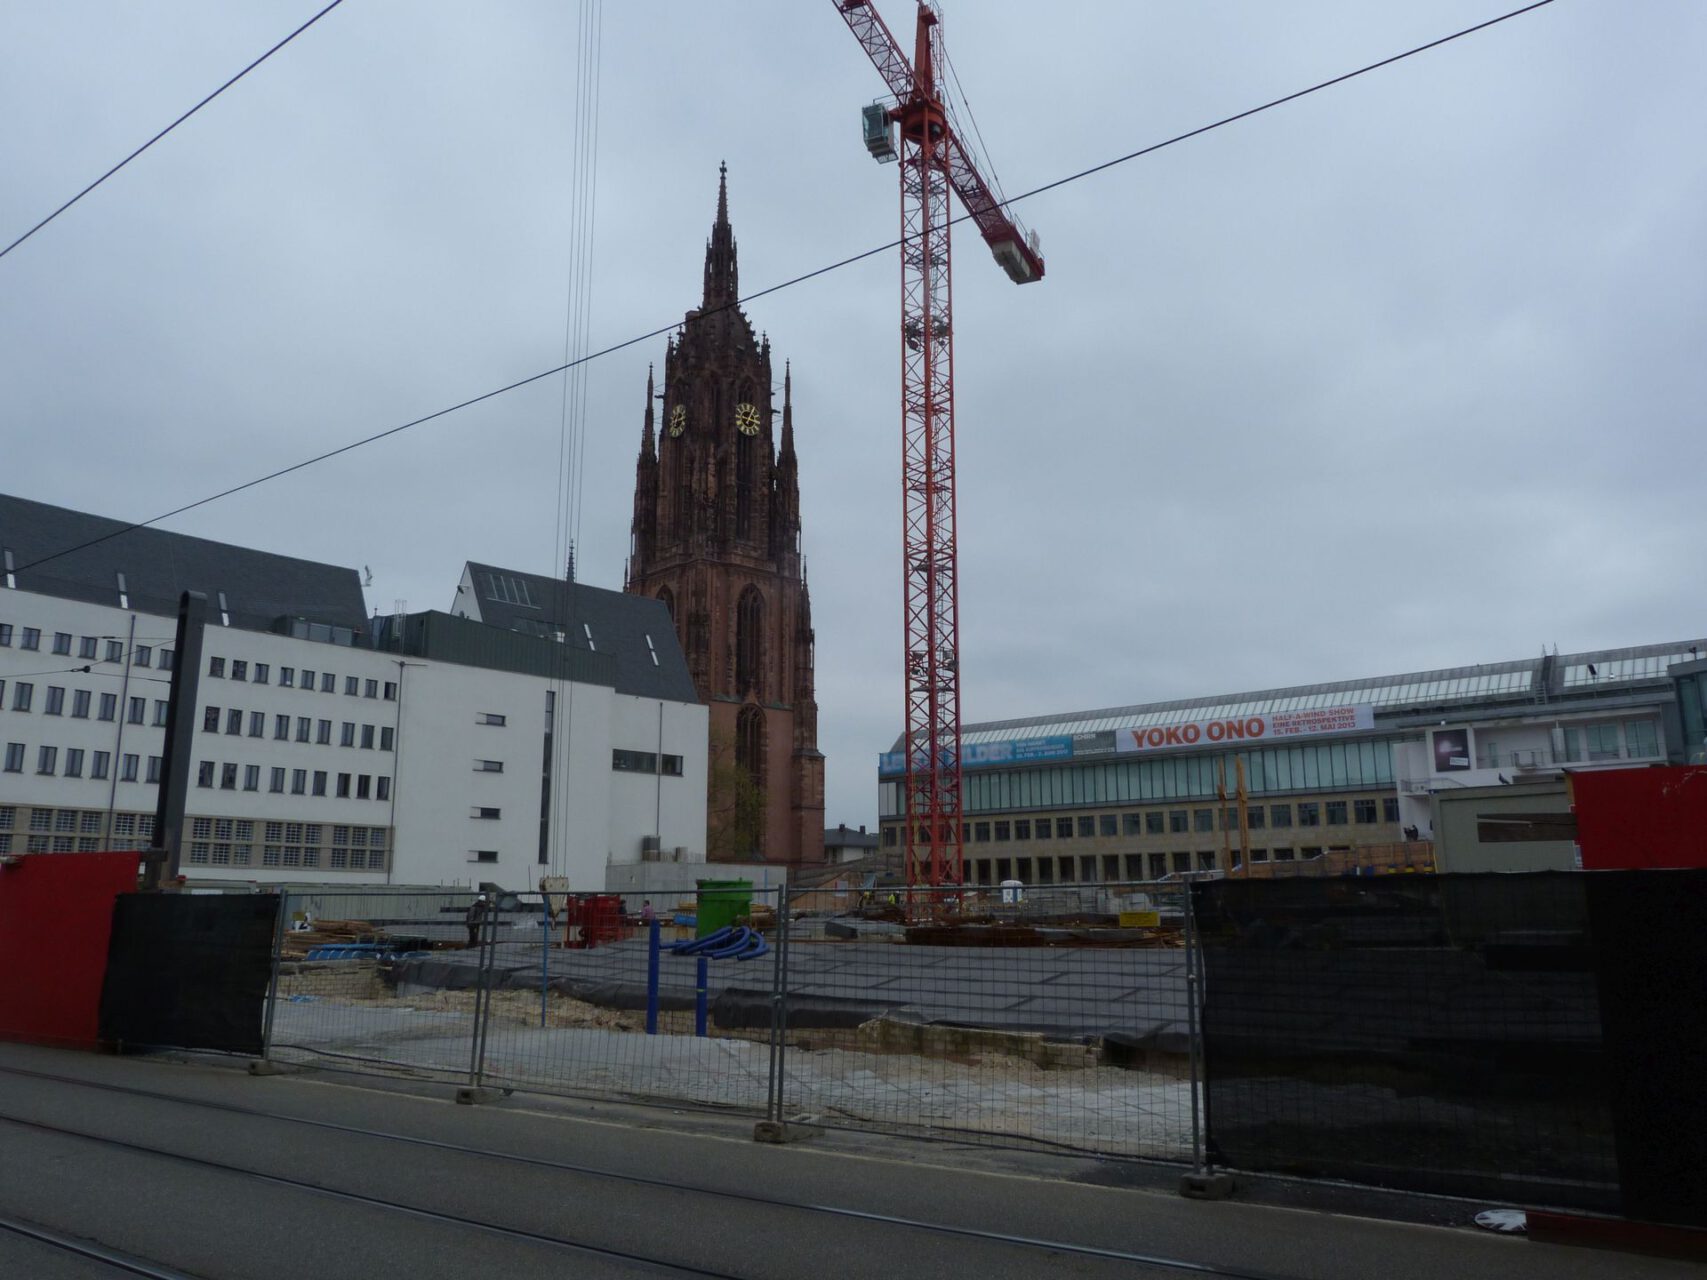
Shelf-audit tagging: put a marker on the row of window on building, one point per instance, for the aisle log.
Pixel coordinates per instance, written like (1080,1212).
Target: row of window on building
(1324,766)
(1114,868)
(359,786)
(213,841)
(304,679)
(72,830)
(645,762)
(106,707)
(89,648)
(308,729)
(1158,822)
(230,842)
(75,760)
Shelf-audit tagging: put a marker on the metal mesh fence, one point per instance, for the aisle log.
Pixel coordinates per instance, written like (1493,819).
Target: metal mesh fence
(582,994)
(341,996)
(596,1005)
(1035,1016)
(1055,1017)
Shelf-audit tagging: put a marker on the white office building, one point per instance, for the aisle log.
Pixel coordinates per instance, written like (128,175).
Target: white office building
(428,749)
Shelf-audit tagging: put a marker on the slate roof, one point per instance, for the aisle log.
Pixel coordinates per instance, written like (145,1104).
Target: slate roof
(618,623)
(259,587)
(845,837)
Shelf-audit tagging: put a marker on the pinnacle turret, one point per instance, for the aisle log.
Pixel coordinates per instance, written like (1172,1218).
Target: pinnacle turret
(648,448)
(721,277)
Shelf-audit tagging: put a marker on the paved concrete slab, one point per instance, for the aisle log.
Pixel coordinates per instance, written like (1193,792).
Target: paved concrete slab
(1067,993)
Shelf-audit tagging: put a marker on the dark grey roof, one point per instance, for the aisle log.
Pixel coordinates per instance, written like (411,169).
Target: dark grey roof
(259,587)
(619,624)
(444,637)
(846,837)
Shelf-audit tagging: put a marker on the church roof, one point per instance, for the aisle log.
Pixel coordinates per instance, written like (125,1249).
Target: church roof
(636,630)
(259,587)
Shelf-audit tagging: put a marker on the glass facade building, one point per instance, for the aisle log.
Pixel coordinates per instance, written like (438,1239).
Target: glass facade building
(1110,804)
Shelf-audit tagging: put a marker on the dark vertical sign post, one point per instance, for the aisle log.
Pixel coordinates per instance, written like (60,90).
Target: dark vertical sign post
(166,853)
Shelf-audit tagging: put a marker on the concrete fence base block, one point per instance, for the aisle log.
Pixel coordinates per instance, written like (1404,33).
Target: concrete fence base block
(267,1067)
(777,1132)
(1205,1186)
(470,1097)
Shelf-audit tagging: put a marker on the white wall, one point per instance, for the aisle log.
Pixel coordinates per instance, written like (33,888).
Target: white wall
(670,878)
(432,786)
(672,808)
(441,794)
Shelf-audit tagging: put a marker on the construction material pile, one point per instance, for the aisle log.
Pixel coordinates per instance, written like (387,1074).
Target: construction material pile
(297,943)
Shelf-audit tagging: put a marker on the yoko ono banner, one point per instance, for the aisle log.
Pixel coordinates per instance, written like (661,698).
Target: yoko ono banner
(1271,726)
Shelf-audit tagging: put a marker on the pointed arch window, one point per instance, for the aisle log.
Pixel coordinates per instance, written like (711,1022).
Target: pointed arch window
(668,599)
(749,643)
(750,743)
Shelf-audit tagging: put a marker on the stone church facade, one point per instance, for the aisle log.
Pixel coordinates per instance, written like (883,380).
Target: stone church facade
(716,537)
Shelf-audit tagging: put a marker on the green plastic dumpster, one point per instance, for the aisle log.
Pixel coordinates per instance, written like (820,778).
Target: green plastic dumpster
(722,902)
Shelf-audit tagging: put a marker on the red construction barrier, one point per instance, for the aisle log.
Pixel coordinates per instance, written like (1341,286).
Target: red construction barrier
(56,916)
(1637,819)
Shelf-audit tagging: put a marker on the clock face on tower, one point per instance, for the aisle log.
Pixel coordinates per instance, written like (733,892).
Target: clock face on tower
(678,420)
(747,419)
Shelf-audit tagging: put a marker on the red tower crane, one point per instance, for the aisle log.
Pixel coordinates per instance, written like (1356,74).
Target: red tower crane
(933,162)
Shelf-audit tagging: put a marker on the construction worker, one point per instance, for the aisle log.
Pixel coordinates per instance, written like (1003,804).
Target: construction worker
(474,918)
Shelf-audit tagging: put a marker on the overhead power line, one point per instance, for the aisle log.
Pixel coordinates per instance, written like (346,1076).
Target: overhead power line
(776,288)
(168,129)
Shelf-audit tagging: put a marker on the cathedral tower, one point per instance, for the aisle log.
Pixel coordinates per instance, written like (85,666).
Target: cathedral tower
(716,537)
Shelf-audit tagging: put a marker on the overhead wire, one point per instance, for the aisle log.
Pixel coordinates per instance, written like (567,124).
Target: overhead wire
(168,129)
(789,283)
(572,421)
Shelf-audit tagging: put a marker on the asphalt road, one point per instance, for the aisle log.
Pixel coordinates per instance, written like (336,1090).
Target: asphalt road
(321,1184)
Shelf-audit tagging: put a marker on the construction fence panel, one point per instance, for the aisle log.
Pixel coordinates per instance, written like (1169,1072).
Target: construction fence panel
(604,1000)
(1053,1016)
(382,980)
(1430,1033)
(188,971)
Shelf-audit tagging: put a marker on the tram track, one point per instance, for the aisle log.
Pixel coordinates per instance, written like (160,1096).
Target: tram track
(120,1263)
(754,1199)
(376,1202)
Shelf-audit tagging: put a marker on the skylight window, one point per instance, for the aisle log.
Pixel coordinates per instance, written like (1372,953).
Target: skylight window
(509,589)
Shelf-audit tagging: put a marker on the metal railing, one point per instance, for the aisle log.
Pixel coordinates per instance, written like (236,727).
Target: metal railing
(1057,1017)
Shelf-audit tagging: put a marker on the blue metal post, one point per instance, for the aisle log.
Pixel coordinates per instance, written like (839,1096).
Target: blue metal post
(544,953)
(699,999)
(652,980)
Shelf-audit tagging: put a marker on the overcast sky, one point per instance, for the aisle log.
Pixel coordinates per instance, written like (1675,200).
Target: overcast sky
(1408,374)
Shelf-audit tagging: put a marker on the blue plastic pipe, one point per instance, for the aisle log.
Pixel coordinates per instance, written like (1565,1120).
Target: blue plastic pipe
(652,981)
(693,946)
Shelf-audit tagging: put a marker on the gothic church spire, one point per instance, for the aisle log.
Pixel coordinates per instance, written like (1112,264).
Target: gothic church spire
(721,284)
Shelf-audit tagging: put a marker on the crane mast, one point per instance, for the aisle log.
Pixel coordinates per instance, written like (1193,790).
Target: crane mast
(933,163)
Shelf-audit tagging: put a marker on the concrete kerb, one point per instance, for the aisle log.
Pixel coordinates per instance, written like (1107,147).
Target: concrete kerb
(778,1132)
(1205,1186)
